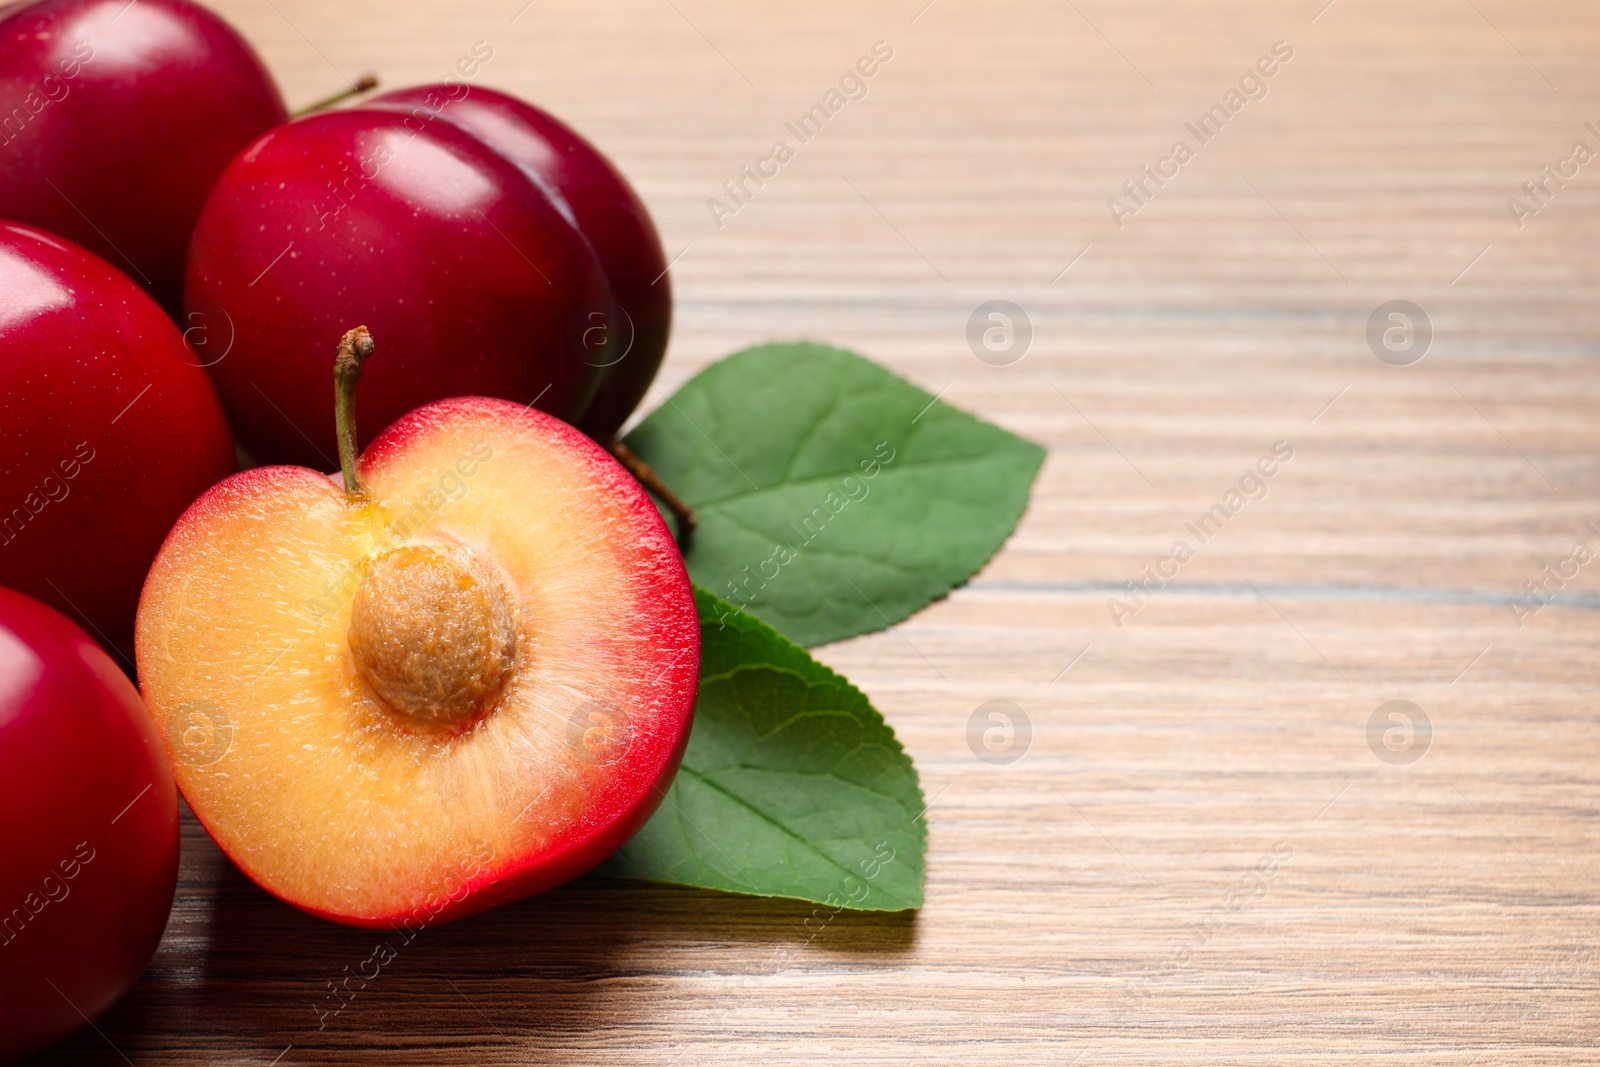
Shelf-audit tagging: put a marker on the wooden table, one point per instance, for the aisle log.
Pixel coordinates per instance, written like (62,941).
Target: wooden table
(1092,903)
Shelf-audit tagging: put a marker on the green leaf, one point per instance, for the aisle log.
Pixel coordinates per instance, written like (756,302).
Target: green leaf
(792,785)
(833,497)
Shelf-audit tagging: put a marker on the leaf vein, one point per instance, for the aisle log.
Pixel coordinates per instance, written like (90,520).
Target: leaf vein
(786,831)
(1008,450)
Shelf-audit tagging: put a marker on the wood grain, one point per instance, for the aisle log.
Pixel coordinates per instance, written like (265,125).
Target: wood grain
(1083,903)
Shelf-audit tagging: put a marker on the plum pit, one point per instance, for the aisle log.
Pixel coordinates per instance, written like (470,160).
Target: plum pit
(432,633)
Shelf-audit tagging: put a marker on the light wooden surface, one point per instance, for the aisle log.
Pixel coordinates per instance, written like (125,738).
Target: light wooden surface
(1441,912)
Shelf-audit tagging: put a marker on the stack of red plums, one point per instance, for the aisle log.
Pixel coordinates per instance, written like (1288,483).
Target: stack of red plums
(464,661)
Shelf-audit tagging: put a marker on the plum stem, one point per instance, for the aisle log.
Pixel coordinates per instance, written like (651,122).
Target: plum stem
(652,481)
(360,85)
(354,348)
